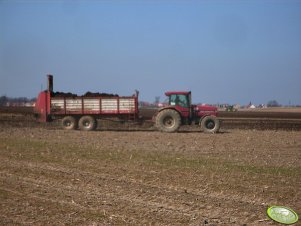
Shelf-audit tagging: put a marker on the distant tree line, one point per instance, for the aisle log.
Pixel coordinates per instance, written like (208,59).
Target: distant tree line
(4,100)
(273,103)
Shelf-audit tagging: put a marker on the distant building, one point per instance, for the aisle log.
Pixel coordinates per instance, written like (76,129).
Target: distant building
(251,106)
(262,106)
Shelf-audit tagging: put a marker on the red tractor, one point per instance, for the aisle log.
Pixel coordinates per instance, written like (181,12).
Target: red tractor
(180,111)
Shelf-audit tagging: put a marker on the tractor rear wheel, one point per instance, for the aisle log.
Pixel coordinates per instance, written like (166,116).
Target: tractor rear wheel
(69,123)
(87,123)
(210,124)
(168,121)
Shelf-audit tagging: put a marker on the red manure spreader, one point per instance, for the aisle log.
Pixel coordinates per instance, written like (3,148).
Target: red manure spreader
(82,112)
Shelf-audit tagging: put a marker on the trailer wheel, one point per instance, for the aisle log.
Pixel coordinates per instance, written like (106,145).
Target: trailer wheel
(168,121)
(210,124)
(87,123)
(69,123)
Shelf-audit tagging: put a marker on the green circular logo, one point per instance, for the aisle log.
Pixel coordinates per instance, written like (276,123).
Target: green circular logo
(282,214)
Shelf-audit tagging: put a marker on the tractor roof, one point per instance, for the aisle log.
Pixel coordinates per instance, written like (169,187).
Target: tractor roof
(177,92)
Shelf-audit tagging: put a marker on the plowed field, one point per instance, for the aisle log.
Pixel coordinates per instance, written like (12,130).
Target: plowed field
(261,119)
(50,176)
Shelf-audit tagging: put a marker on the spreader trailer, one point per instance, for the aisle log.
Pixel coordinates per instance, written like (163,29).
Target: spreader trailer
(82,112)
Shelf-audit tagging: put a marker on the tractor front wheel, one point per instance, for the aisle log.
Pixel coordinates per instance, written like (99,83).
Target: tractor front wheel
(210,124)
(168,121)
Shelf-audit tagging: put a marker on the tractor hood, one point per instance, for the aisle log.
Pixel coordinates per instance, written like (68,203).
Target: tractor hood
(205,108)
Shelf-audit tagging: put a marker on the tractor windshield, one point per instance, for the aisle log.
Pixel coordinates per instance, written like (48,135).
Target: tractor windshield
(179,99)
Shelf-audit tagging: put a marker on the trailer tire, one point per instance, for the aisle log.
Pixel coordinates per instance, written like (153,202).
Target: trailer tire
(168,121)
(87,123)
(210,124)
(69,123)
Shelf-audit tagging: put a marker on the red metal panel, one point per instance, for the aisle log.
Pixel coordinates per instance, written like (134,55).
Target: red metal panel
(100,106)
(136,106)
(48,102)
(118,102)
(82,105)
(41,106)
(65,105)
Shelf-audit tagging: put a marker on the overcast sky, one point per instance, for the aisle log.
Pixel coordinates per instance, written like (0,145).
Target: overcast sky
(223,51)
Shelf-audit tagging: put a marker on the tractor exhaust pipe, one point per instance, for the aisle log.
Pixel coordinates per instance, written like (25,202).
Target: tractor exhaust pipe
(50,83)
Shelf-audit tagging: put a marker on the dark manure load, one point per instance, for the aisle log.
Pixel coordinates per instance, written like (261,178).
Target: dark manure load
(62,94)
(91,94)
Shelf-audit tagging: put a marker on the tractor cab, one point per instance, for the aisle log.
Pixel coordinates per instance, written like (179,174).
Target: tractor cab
(181,101)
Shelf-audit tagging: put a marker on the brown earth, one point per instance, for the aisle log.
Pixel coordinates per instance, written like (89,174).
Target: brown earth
(261,119)
(138,176)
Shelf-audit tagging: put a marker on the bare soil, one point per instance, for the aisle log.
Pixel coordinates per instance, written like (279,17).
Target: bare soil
(259,119)
(50,176)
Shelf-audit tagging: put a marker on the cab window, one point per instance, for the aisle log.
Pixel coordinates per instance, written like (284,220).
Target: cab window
(179,99)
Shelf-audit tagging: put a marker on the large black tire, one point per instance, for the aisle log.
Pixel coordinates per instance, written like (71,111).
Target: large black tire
(69,123)
(168,121)
(210,124)
(87,123)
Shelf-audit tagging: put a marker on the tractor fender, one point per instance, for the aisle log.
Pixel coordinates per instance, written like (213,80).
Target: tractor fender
(204,117)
